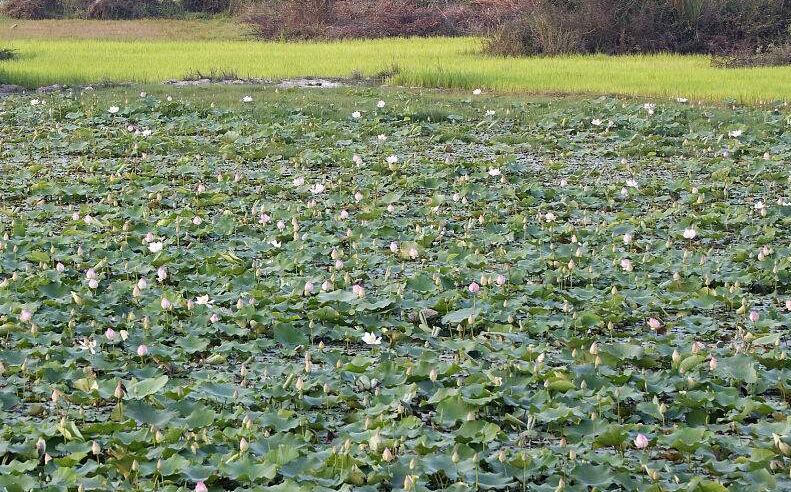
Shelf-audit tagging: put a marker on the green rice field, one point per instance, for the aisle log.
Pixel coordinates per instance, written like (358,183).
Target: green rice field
(437,62)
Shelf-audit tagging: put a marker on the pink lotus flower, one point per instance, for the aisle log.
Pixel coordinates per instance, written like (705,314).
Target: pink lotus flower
(754,316)
(474,288)
(326,286)
(93,284)
(654,323)
(110,334)
(142,350)
(201,487)
(641,441)
(214,318)
(26,315)
(344,215)
(500,280)
(60,267)
(165,304)
(358,290)
(142,284)
(264,219)
(713,363)
(394,248)
(197,221)
(162,273)
(788,305)
(308,288)
(91,274)
(626,264)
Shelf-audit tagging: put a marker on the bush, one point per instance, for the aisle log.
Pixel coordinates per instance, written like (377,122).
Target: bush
(129,9)
(338,19)
(32,9)
(642,26)
(207,6)
(771,56)
(7,54)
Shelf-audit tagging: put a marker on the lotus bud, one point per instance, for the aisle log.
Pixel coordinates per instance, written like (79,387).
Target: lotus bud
(119,391)
(432,375)
(387,456)
(243,445)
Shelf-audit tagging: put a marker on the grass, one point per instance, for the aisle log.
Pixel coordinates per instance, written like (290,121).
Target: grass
(436,62)
(211,29)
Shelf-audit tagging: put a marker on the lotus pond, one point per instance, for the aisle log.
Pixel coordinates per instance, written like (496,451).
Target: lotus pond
(461,293)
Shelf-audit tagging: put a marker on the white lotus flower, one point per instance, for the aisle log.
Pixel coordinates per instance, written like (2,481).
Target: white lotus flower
(490,112)
(113,109)
(357,115)
(380,104)
(392,159)
(317,188)
(690,233)
(203,300)
(631,183)
(493,171)
(357,160)
(477,92)
(682,100)
(372,339)
(197,220)
(735,133)
(298,181)
(381,137)
(247,99)
(596,122)
(155,247)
